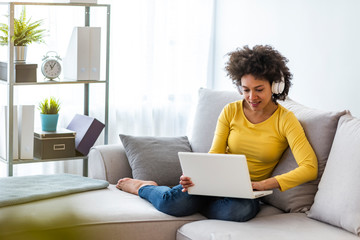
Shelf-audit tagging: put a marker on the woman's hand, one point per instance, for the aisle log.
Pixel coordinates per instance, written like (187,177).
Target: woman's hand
(185,183)
(258,186)
(266,184)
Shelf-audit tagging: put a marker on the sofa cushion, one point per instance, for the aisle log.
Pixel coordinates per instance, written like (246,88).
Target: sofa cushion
(337,201)
(294,226)
(100,214)
(320,128)
(155,158)
(209,107)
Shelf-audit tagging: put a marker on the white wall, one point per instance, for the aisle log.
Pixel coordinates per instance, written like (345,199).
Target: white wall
(321,39)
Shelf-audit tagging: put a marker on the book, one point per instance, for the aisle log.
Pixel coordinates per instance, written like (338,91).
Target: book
(87,131)
(82,59)
(26,131)
(4,128)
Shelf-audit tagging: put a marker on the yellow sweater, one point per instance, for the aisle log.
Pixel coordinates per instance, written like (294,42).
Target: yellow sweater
(264,143)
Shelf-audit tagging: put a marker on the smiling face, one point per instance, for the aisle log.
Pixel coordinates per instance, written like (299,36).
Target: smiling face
(257,93)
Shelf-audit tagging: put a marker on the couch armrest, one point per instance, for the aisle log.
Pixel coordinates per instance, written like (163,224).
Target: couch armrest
(108,162)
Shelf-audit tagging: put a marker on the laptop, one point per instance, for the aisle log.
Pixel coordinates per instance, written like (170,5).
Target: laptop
(223,175)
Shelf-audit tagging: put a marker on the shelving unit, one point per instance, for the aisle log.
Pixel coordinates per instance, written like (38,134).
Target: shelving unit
(11,84)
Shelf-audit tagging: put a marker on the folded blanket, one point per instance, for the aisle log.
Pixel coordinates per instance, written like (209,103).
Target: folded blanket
(16,190)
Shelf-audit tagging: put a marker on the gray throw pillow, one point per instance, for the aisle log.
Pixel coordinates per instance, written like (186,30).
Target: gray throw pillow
(155,158)
(320,128)
(337,201)
(209,107)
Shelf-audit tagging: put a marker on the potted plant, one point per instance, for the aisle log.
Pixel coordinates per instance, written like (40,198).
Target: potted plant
(49,114)
(25,33)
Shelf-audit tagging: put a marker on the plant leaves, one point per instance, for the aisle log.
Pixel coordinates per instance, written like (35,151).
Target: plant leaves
(49,106)
(25,31)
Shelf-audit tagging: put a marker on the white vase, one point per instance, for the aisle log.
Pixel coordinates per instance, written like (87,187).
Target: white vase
(20,54)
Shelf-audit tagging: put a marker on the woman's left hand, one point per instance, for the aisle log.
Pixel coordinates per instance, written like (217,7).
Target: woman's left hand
(258,186)
(266,184)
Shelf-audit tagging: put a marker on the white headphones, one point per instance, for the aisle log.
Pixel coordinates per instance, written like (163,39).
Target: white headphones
(278,87)
(239,89)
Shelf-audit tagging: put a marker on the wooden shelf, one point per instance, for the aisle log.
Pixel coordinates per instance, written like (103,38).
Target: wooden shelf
(37,160)
(56,4)
(55,82)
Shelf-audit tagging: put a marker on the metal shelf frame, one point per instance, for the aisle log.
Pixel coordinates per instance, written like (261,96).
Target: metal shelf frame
(11,81)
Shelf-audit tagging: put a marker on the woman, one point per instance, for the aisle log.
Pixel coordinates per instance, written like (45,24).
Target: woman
(257,127)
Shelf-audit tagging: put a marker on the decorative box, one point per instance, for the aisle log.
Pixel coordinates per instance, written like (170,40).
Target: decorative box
(59,144)
(24,72)
(87,131)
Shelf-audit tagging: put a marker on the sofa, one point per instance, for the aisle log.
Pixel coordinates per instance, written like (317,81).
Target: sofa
(326,208)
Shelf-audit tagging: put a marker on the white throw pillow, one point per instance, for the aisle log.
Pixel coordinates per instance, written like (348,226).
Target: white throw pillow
(320,128)
(338,197)
(209,107)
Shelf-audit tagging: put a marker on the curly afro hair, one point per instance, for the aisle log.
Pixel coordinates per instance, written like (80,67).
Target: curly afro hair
(263,62)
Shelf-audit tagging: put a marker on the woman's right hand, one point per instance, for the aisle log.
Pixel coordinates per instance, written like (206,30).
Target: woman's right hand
(185,183)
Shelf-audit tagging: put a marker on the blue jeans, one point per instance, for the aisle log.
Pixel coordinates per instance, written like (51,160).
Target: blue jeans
(174,202)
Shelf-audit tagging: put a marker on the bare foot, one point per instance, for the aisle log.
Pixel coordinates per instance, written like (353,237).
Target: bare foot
(133,185)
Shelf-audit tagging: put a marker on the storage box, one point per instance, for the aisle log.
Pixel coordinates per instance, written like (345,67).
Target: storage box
(59,144)
(87,131)
(24,72)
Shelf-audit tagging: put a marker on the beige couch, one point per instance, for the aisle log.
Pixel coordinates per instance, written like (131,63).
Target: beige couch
(113,214)
(284,215)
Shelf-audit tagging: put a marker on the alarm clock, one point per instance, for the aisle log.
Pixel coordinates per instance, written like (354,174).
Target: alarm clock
(51,66)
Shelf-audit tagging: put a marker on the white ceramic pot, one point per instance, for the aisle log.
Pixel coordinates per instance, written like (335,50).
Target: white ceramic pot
(20,54)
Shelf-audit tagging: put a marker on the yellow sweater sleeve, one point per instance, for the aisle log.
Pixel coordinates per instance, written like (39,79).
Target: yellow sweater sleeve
(304,155)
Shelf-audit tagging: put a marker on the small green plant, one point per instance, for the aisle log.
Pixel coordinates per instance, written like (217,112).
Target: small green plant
(25,32)
(49,106)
